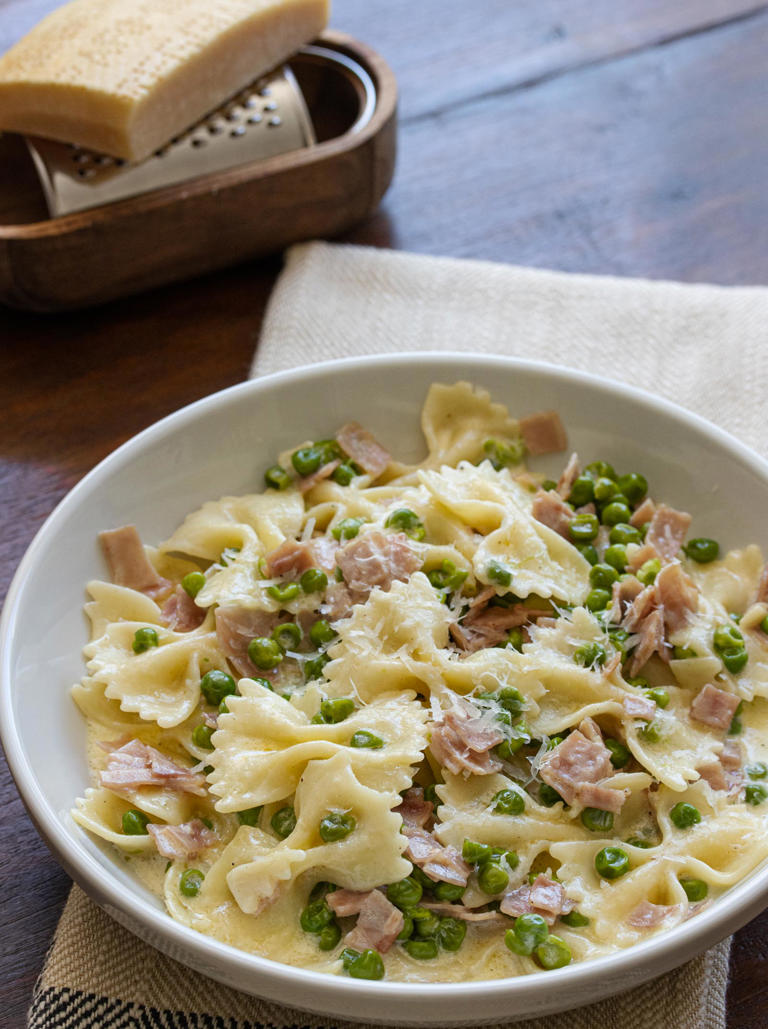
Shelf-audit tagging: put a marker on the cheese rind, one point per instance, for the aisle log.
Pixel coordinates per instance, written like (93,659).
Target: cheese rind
(123,77)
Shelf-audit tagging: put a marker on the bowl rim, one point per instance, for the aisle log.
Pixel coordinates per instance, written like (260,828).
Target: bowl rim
(661,950)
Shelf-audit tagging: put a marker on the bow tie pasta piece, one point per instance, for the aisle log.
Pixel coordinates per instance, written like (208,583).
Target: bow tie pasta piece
(101,812)
(672,747)
(732,582)
(392,642)
(112,603)
(162,684)
(234,521)
(369,855)
(457,420)
(263,746)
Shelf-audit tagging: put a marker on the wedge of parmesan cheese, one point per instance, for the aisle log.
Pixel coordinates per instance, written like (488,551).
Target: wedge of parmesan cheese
(123,77)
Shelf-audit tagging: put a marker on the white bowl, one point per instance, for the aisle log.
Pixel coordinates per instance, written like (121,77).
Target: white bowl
(221,445)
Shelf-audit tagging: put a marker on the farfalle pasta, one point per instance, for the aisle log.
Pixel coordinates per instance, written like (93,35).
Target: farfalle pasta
(433,722)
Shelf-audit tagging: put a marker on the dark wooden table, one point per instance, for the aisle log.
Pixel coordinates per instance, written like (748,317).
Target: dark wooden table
(612,136)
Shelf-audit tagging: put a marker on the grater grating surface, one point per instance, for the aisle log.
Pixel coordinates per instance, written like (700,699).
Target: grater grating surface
(267,118)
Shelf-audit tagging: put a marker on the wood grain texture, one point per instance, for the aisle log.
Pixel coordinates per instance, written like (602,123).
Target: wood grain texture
(589,135)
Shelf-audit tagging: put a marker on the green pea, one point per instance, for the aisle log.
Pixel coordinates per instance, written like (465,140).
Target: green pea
(336,825)
(287,635)
(648,571)
(316,916)
(660,695)
(313,580)
(527,933)
(474,853)
(582,491)
(144,639)
(638,841)
(190,882)
(758,770)
(508,802)
(727,636)
(588,552)
(590,655)
(406,521)
(734,729)
(365,965)
(192,583)
(616,513)
(755,793)
(336,710)
(515,639)
(683,653)
(603,576)
(553,953)
(263,682)
(652,732)
(277,477)
(548,485)
(307,460)
(422,950)
(284,591)
(605,488)
(321,632)
(584,528)
(405,894)
(447,576)
(265,652)
(364,740)
(574,920)
(491,878)
(347,528)
(612,862)
(216,685)
(600,469)
(283,821)
(448,892)
(329,937)
(684,815)
(623,533)
(695,889)
(250,816)
(328,449)
(620,754)
(595,820)
(502,455)
(313,668)
(633,485)
(734,659)
(201,736)
(135,823)
(496,572)
(618,637)
(702,550)
(451,933)
(616,556)
(425,923)
(548,796)
(344,474)
(407,931)
(597,600)
(764,625)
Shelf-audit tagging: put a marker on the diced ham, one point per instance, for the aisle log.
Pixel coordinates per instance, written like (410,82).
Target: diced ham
(551,510)
(491,625)
(651,641)
(293,557)
(731,756)
(179,842)
(235,628)
(639,609)
(575,761)
(128,562)
(569,476)
(181,613)
(543,432)
(338,601)
(308,482)
(376,559)
(481,600)
(589,728)
(761,596)
(461,741)
(443,864)
(643,514)
(137,764)
(604,798)
(363,448)
(713,773)
(625,592)
(677,595)
(639,707)
(638,557)
(544,897)
(414,809)
(445,910)
(586,509)
(379,923)
(649,916)
(346,902)
(667,530)
(714,707)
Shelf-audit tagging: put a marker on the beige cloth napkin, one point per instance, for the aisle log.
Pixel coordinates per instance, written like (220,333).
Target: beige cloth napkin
(699,345)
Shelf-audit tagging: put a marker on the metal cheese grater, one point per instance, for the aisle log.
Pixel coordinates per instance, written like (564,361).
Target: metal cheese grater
(267,118)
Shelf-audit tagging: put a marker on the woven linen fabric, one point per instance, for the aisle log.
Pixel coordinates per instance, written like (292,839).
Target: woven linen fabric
(698,345)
